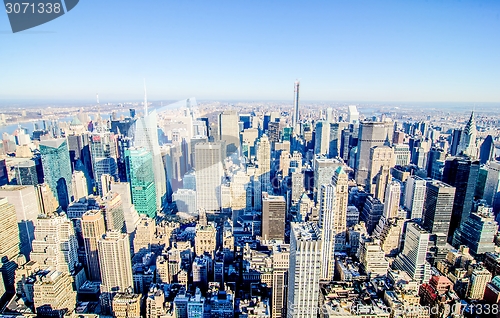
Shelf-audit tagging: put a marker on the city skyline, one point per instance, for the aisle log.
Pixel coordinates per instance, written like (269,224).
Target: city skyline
(356,51)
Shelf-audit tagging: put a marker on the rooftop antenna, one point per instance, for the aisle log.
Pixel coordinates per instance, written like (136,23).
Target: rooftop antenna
(145,99)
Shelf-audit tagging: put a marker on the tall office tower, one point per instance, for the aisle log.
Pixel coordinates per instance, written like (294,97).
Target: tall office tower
(372,212)
(9,231)
(57,169)
(371,134)
(381,160)
(273,217)
(297,185)
(305,270)
(27,210)
(146,136)
(79,153)
(372,257)
(140,172)
(130,213)
(47,202)
(412,259)
(340,180)
(104,152)
(487,150)
(144,236)
(478,232)
(80,188)
(461,173)
(321,141)
(229,131)
(115,262)
(392,198)
(53,293)
(435,163)
(327,216)
(352,114)
(93,229)
(274,132)
(414,196)
(205,240)
(209,174)
(55,243)
(467,145)
(402,155)
(455,141)
(113,212)
(324,169)
(264,163)
(438,207)
(492,185)
(480,277)
(281,263)
(296,114)
(285,162)
(26,173)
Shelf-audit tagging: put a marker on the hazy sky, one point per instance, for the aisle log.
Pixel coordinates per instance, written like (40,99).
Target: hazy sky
(434,50)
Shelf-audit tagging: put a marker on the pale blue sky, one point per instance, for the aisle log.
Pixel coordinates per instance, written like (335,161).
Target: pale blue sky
(254,50)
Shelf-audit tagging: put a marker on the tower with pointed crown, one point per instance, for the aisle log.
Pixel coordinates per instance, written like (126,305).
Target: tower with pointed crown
(467,144)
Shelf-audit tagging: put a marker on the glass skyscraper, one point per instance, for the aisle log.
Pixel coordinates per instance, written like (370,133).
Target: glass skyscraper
(57,169)
(140,174)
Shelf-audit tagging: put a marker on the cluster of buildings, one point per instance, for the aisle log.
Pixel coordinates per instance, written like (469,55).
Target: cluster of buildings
(246,212)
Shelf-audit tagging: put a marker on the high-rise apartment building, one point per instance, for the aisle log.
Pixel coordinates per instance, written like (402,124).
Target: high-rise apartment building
(273,217)
(305,270)
(142,180)
(57,169)
(296,114)
(93,229)
(209,174)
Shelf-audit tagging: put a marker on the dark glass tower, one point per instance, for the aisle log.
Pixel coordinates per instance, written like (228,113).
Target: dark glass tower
(461,173)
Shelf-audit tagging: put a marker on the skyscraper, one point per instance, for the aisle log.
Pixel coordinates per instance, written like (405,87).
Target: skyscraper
(55,243)
(461,173)
(115,262)
(273,217)
(305,270)
(57,169)
(93,229)
(281,263)
(352,114)
(296,106)
(229,131)
(104,153)
(9,232)
(413,257)
(142,180)
(487,150)
(371,134)
(467,145)
(146,136)
(492,186)
(415,196)
(392,198)
(322,138)
(264,163)
(24,199)
(438,207)
(209,174)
